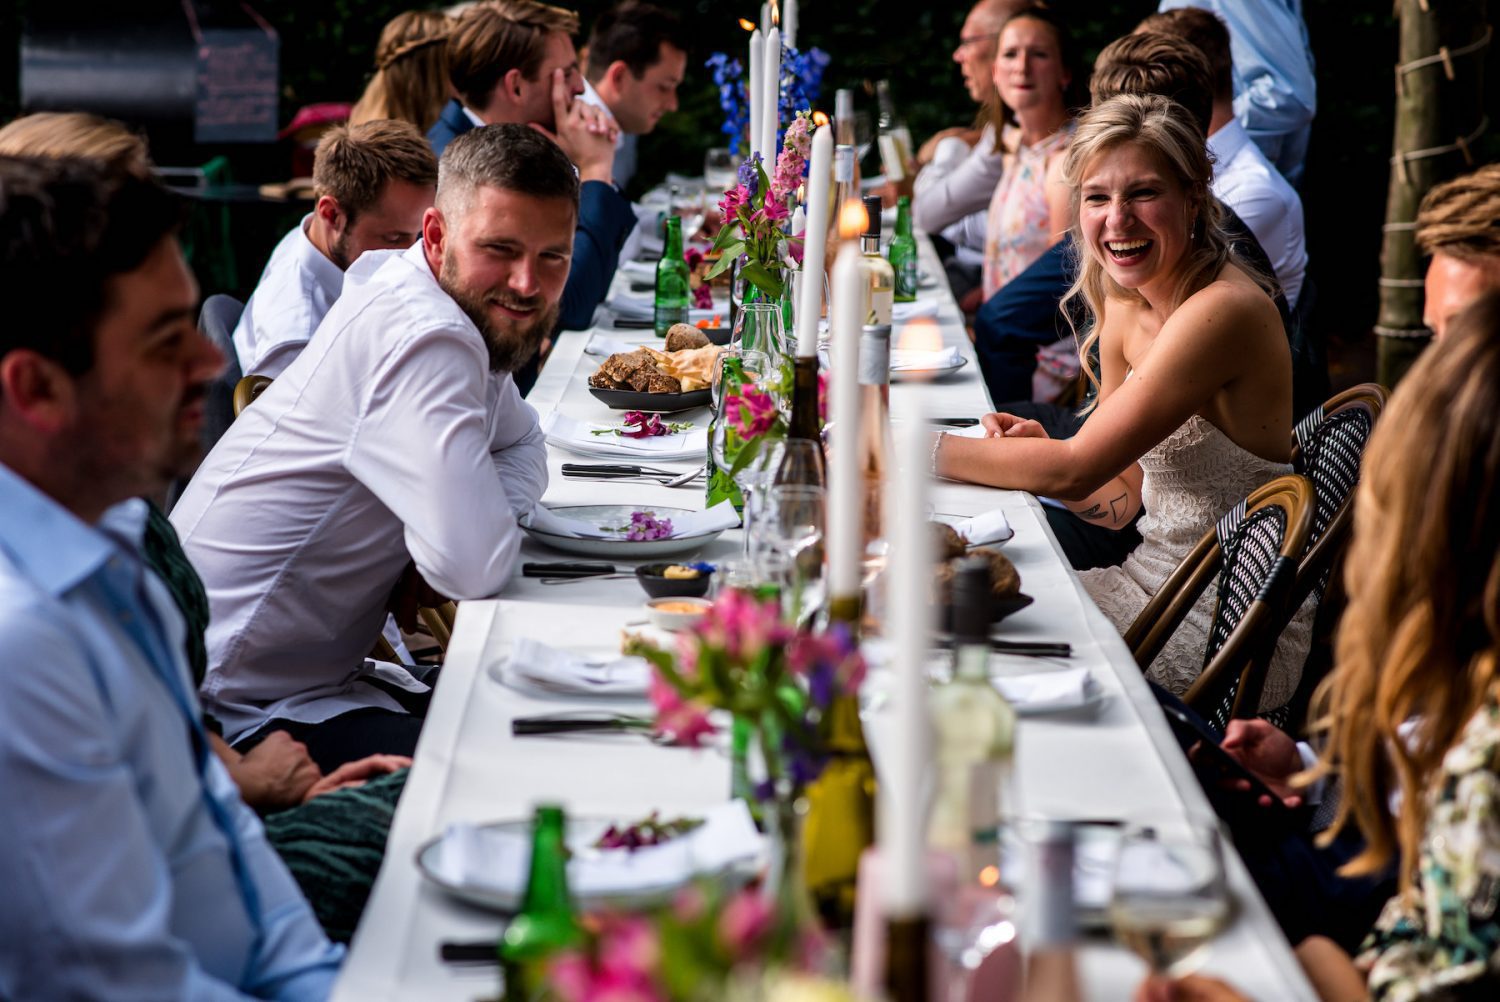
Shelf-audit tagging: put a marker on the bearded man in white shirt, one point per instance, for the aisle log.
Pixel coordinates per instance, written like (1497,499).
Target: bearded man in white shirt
(373,183)
(397,435)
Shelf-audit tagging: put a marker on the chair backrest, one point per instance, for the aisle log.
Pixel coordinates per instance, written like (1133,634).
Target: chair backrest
(218,319)
(1252,553)
(247,389)
(1328,448)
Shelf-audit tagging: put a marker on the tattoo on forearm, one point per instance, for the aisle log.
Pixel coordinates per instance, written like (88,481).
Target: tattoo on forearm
(1117,509)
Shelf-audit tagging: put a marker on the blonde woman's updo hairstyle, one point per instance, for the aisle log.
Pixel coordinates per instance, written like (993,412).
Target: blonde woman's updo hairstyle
(1166,129)
(411,71)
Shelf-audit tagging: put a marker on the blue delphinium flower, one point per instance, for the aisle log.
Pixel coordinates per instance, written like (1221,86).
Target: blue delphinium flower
(749,177)
(729,77)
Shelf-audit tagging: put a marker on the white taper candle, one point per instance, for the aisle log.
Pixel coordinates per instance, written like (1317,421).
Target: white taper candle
(846,488)
(815,240)
(902,820)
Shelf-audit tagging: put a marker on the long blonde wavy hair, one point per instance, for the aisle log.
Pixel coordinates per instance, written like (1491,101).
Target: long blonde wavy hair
(1421,635)
(411,71)
(1166,129)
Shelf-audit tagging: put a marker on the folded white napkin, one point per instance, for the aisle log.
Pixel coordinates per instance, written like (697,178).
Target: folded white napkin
(577,436)
(603,346)
(918,309)
(497,860)
(986,527)
(547,667)
(911,359)
(1047,692)
(694,523)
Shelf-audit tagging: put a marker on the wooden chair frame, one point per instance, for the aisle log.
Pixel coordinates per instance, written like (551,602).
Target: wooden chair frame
(246,390)
(1246,653)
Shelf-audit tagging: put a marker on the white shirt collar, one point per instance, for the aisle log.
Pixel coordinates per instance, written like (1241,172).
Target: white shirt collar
(328,274)
(479,123)
(1226,144)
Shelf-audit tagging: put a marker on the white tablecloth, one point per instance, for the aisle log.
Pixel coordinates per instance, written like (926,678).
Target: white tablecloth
(1124,763)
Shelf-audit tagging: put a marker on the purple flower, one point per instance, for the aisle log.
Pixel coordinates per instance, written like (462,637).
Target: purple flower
(749,177)
(645,526)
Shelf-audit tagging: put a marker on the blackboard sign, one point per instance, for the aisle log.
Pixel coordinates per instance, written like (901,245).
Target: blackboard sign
(237,83)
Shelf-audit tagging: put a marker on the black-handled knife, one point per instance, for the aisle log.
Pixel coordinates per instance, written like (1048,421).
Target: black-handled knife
(528,726)
(955,422)
(565,569)
(483,952)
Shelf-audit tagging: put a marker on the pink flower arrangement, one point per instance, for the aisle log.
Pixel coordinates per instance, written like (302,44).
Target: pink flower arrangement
(754,411)
(791,163)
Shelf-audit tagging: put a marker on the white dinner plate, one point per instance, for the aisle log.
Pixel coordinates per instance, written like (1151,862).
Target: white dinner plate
(614,515)
(580,836)
(927,375)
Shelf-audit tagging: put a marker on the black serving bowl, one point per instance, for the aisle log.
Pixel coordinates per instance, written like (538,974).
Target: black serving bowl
(657,586)
(1000,607)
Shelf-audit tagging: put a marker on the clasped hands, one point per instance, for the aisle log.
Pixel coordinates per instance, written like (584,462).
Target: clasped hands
(584,132)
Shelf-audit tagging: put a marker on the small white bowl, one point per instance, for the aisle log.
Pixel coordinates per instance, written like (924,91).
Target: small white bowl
(676,613)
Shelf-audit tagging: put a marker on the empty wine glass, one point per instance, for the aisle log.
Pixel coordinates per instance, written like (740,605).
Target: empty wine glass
(686,200)
(720,170)
(1170,898)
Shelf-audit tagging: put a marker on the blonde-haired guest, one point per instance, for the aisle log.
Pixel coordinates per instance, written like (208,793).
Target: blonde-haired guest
(411,71)
(1195,382)
(1412,708)
(76,135)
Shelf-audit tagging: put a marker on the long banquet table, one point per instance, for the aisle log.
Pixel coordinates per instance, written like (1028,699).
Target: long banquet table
(1121,763)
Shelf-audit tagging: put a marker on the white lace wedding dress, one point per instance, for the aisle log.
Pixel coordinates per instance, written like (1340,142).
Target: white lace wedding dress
(1192,478)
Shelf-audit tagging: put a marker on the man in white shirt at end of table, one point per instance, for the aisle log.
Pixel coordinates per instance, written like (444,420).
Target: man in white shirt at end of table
(373,182)
(397,435)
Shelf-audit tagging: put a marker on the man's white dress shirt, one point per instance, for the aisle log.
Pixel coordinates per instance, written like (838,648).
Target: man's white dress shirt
(295,292)
(956,188)
(1246,181)
(623,167)
(387,439)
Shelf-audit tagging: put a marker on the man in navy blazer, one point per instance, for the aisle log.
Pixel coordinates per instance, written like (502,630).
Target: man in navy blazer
(514,62)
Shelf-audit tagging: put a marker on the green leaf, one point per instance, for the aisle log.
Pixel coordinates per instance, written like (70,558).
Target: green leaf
(727,235)
(728,257)
(761,277)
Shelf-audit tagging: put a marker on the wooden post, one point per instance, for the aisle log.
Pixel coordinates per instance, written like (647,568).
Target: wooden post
(1439,106)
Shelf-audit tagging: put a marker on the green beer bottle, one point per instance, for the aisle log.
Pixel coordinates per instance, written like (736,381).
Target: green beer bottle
(546,923)
(903,253)
(673,286)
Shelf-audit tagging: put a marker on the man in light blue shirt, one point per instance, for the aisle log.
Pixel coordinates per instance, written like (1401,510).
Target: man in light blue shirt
(1275,92)
(130,867)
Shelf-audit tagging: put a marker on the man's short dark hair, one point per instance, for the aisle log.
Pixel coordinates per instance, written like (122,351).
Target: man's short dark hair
(1149,62)
(632,33)
(1207,31)
(496,36)
(66,228)
(353,163)
(510,157)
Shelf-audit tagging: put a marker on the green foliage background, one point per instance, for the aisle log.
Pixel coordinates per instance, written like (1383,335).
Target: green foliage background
(327,51)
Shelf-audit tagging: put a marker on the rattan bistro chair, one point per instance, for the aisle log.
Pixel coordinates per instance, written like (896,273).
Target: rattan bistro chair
(1328,448)
(1253,554)
(246,390)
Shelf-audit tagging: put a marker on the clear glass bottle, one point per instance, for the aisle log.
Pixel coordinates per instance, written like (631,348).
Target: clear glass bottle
(546,923)
(903,253)
(845,163)
(895,137)
(673,283)
(882,279)
(874,423)
(975,729)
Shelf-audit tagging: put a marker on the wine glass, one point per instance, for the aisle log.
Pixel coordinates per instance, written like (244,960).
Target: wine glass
(686,200)
(1170,897)
(720,171)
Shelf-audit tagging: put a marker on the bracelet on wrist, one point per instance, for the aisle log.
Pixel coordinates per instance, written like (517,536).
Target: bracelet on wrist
(937,443)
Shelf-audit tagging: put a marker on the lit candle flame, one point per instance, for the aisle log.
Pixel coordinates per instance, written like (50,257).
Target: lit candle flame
(819,119)
(852,220)
(747,25)
(775,13)
(989,876)
(921,334)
